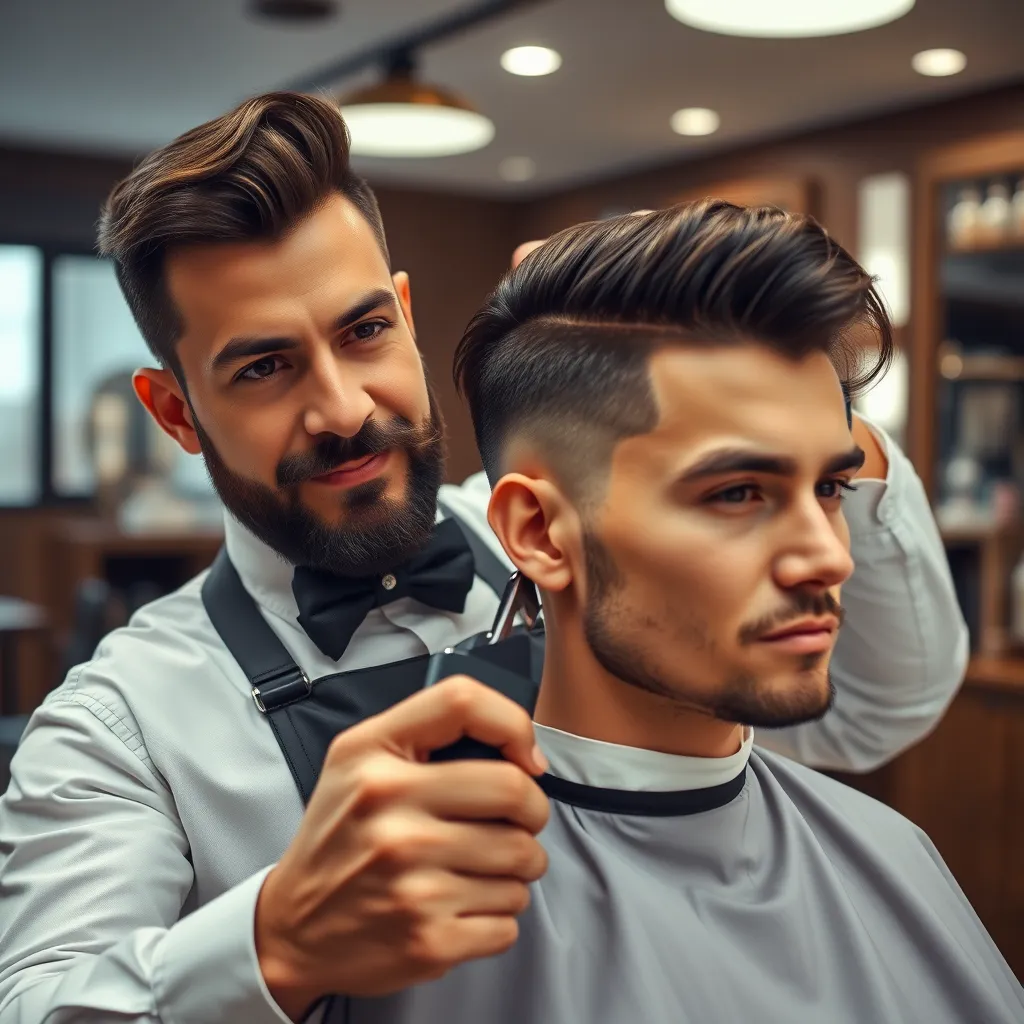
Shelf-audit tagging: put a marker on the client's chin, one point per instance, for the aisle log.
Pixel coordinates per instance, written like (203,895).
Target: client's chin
(804,698)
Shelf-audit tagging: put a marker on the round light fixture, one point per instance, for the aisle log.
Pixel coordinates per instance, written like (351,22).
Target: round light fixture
(401,117)
(786,18)
(695,121)
(531,61)
(938,63)
(517,168)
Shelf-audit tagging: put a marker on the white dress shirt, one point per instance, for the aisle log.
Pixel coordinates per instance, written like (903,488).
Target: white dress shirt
(149,797)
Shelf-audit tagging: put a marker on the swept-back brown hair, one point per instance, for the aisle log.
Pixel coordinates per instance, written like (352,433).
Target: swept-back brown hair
(250,174)
(560,351)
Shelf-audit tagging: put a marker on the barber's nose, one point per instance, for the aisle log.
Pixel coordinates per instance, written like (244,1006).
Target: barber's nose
(816,554)
(336,401)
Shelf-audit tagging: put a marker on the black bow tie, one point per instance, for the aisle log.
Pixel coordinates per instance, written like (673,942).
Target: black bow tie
(332,607)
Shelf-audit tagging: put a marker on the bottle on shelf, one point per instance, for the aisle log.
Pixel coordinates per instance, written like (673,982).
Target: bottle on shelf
(1017,210)
(994,215)
(962,223)
(1017,603)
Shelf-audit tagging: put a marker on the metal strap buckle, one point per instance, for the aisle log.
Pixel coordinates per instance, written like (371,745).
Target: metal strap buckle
(257,693)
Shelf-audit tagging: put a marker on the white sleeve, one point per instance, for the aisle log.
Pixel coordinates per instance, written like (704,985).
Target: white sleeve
(902,652)
(94,876)
(469,501)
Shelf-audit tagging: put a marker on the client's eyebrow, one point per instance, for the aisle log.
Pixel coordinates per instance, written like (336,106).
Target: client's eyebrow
(743,460)
(241,348)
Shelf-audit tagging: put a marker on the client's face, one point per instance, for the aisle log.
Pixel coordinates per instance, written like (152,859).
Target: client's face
(713,566)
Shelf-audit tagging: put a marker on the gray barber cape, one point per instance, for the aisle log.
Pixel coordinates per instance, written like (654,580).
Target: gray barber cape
(777,895)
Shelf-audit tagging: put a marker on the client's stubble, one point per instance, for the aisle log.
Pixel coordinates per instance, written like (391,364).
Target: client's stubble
(739,698)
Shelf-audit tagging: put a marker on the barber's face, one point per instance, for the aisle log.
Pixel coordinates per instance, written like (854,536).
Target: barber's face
(308,392)
(713,566)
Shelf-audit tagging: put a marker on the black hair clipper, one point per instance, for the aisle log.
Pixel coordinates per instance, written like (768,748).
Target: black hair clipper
(506,660)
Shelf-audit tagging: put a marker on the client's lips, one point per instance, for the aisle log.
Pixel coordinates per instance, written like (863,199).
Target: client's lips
(807,636)
(357,471)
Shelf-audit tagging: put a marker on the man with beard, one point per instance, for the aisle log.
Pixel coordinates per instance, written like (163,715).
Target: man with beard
(670,454)
(158,860)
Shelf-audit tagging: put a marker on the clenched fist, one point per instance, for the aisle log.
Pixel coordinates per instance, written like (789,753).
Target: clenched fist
(401,869)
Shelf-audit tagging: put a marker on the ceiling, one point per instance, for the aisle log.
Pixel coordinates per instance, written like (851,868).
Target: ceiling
(122,76)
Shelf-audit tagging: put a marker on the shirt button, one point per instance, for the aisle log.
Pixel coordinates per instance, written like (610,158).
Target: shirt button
(389,582)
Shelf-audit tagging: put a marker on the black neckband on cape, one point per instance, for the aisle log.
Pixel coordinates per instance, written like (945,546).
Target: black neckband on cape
(641,803)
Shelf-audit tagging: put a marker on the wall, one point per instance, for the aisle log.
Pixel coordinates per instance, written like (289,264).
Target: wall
(835,159)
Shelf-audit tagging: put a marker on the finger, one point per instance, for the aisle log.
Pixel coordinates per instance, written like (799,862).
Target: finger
(490,791)
(436,717)
(485,897)
(485,849)
(475,936)
(488,849)
(524,250)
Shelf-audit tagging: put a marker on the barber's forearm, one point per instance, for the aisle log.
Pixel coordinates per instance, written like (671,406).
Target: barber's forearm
(201,970)
(876,465)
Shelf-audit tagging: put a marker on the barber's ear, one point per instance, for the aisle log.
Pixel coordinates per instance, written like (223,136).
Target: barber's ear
(159,392)
(537,527)
(404,293)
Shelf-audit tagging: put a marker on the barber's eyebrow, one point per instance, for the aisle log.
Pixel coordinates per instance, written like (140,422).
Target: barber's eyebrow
(743,460)
(251,347)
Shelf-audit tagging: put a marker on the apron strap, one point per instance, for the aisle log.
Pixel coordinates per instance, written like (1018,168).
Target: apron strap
(489,567)
(275,678)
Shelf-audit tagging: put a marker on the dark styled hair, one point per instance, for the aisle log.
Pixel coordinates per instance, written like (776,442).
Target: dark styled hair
(559,353)
(250,174)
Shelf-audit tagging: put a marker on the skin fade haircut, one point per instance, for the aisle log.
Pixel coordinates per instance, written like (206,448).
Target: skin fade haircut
(560,350)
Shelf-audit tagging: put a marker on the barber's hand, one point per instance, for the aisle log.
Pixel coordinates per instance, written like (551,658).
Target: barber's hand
(524,250)
(402,869)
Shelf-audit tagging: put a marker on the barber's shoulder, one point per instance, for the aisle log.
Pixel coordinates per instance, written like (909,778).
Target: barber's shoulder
(167,654)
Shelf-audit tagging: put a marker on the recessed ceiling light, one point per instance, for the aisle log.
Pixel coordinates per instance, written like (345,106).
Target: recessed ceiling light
(786,18)
(531,60)
(695,121)
(517,168)
(938,63)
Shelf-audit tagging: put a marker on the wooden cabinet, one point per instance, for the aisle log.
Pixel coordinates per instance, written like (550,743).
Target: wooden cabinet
(137,567)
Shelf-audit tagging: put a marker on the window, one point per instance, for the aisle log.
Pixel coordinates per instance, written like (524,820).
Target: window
(65,331)
(94,340)
(21,291)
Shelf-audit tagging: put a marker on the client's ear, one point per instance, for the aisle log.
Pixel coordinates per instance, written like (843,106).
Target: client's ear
(537,527)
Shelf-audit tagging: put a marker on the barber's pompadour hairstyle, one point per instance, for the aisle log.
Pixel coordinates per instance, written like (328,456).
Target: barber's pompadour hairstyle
(251,174)
(559,352)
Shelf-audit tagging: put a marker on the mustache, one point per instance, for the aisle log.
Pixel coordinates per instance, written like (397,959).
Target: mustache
(804,603)
(372,438)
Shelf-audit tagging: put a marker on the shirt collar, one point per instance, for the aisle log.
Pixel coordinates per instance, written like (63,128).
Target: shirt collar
(264,573)
(611,766)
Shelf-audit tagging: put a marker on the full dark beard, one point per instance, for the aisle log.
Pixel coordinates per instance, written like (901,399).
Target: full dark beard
(377,533)
(737,699)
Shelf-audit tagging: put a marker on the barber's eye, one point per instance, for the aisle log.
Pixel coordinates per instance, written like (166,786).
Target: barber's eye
(369,329)
(261,369)
(736,495)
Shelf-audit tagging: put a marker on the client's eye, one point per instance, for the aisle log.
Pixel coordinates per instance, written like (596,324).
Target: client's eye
(835,489)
